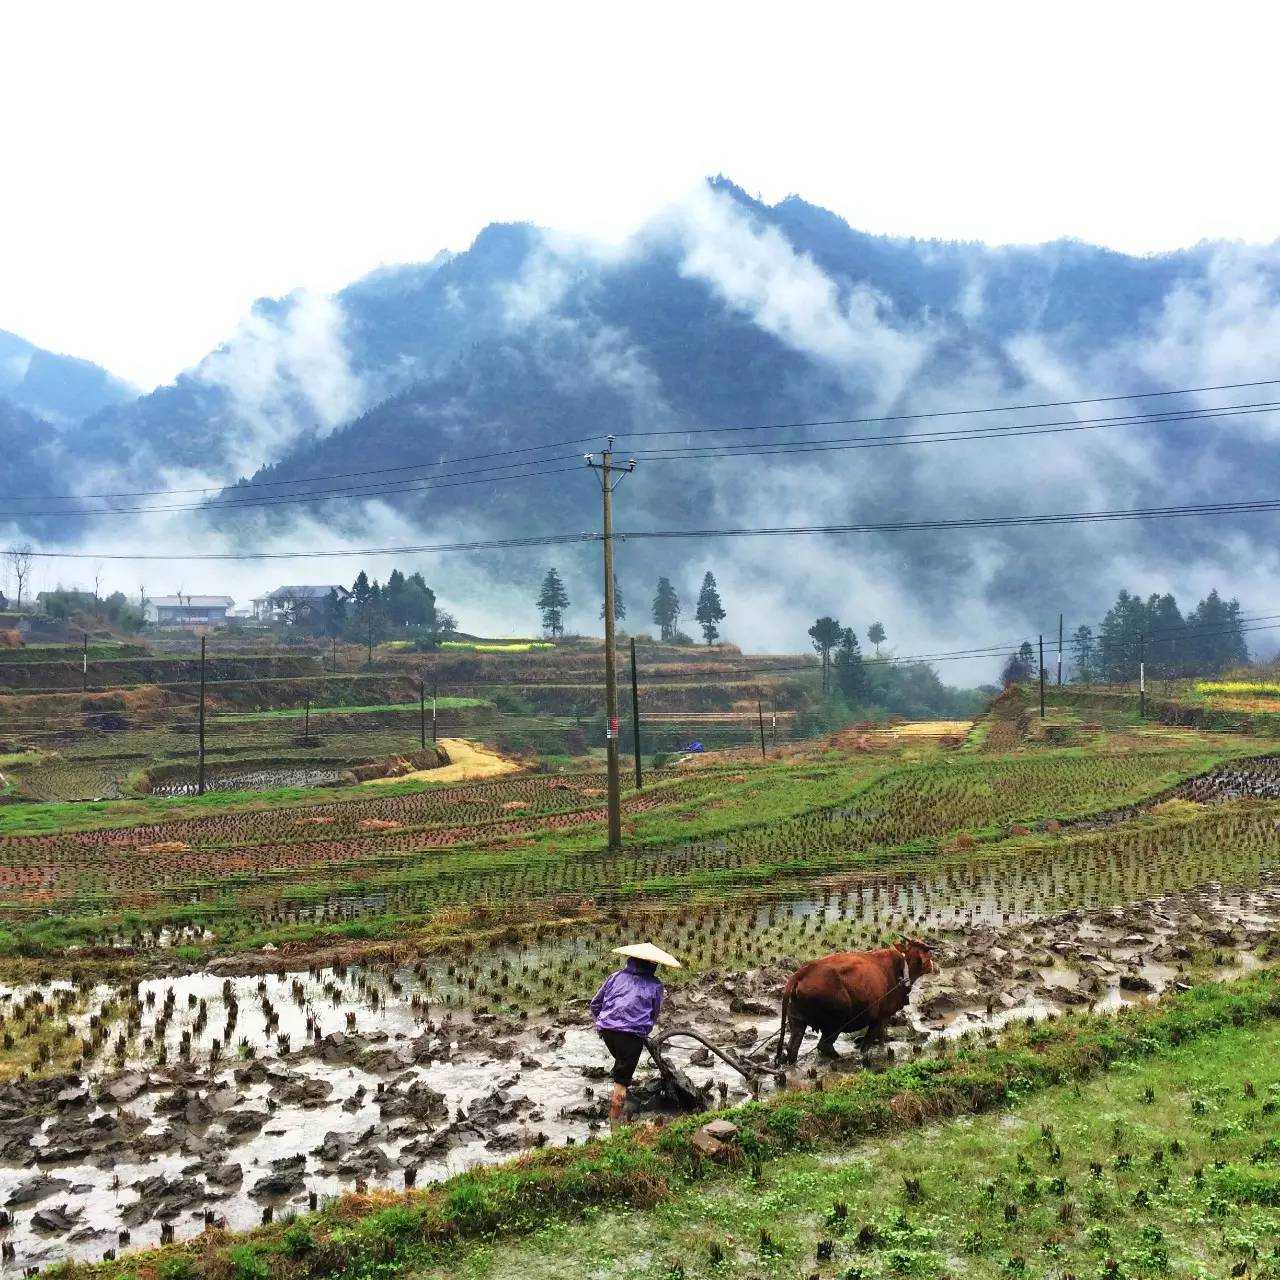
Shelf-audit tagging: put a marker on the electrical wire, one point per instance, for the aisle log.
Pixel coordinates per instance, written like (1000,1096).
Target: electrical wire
(629,435)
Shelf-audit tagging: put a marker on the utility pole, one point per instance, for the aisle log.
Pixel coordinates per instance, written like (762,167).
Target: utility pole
(1142,675)
(435,689)
(635,718)
(1059,650)
(610,477)
(335,655)
(200,758)
(306,718)
(1042,677)
(84,665)
(760,716)
(422,713)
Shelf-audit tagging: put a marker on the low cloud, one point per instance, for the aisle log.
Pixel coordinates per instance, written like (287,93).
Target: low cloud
(287,377)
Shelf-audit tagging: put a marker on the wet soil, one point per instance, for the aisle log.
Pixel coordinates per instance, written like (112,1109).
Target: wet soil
(207,1097)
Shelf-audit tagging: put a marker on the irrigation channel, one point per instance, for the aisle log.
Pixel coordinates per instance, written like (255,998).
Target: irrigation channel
(240,1091)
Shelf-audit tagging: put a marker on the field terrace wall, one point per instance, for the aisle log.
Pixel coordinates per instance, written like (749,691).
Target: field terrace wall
(18,677)
(1167,710)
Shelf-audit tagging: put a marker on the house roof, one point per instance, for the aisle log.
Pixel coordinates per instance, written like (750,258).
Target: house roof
(302,593)
(191,602)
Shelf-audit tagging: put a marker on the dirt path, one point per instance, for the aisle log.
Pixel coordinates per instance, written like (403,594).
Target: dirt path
(467,763)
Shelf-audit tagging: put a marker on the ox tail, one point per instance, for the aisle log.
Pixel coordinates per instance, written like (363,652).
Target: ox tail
(782,1026)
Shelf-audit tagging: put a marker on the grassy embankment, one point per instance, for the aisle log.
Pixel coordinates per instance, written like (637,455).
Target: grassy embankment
(1173,1103)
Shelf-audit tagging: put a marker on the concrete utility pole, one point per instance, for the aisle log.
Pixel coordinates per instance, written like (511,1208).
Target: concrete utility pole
(610,477)
(1142,675)
(1059,649)
(200,765)
(635,717)
(1042,677)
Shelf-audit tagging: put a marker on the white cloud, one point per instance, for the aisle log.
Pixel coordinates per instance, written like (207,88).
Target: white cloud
(286,378)
(757,271)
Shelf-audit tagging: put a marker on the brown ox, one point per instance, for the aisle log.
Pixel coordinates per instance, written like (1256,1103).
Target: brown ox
(849,991)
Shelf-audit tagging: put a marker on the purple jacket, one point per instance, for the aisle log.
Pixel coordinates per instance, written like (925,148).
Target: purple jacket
(629,1000)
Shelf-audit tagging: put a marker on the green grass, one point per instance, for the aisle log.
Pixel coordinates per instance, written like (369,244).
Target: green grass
(1003,1195)
(57,816)
(1086,1076)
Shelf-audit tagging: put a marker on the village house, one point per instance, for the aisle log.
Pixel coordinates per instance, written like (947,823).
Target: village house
(187,613)
(280,604)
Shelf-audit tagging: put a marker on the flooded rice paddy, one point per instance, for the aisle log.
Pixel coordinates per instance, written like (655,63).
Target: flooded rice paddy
(185,782)
(252,1089)
(206,1097)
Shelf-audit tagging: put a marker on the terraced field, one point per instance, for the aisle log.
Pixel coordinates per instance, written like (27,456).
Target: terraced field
(528,847)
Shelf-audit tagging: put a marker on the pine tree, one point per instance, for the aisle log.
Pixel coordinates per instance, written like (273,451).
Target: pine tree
(825,635)
(876,635)
(1164,638)
(553,600)
(333,614)
(666,610)
(1215,636)
(710,612)
(619,605)
(1084,653)
(1019,666)
(1120,638)
(851,675)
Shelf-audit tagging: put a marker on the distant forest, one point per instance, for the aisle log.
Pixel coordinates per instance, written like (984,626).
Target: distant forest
(1207,641)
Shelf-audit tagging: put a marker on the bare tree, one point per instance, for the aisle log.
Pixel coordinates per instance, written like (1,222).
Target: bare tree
(97,581)
(20,559)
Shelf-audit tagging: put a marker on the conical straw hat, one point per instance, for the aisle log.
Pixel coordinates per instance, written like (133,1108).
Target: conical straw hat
(647,951)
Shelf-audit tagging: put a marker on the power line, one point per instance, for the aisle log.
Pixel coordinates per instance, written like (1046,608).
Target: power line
(1255,506)
(509,470)
(950,413)
(975,522)
(354,491)
(674,431)
(1012,431)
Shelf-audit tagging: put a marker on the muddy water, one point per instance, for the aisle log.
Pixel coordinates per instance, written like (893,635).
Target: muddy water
(232,779)
(302,1095)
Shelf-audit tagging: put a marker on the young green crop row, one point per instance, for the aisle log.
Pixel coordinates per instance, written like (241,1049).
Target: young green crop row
(543,857)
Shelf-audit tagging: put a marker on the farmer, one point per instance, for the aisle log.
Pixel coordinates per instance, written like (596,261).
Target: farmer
(625,1009)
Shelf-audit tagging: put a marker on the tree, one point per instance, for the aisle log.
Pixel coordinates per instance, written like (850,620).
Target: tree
(1020,666)
(553,600)
(333,614)
(876,635)
(1215,637)
(710,612)
(666,610)
(1084,652)
(619,605)
(1165,636)
(1120,638)
(20,566)
(825,634)
(851,675)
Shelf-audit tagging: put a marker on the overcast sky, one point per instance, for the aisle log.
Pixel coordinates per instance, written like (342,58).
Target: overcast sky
(166,163)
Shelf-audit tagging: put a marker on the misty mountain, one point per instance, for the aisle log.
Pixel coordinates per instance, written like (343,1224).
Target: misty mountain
(60,389)
(729,312)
